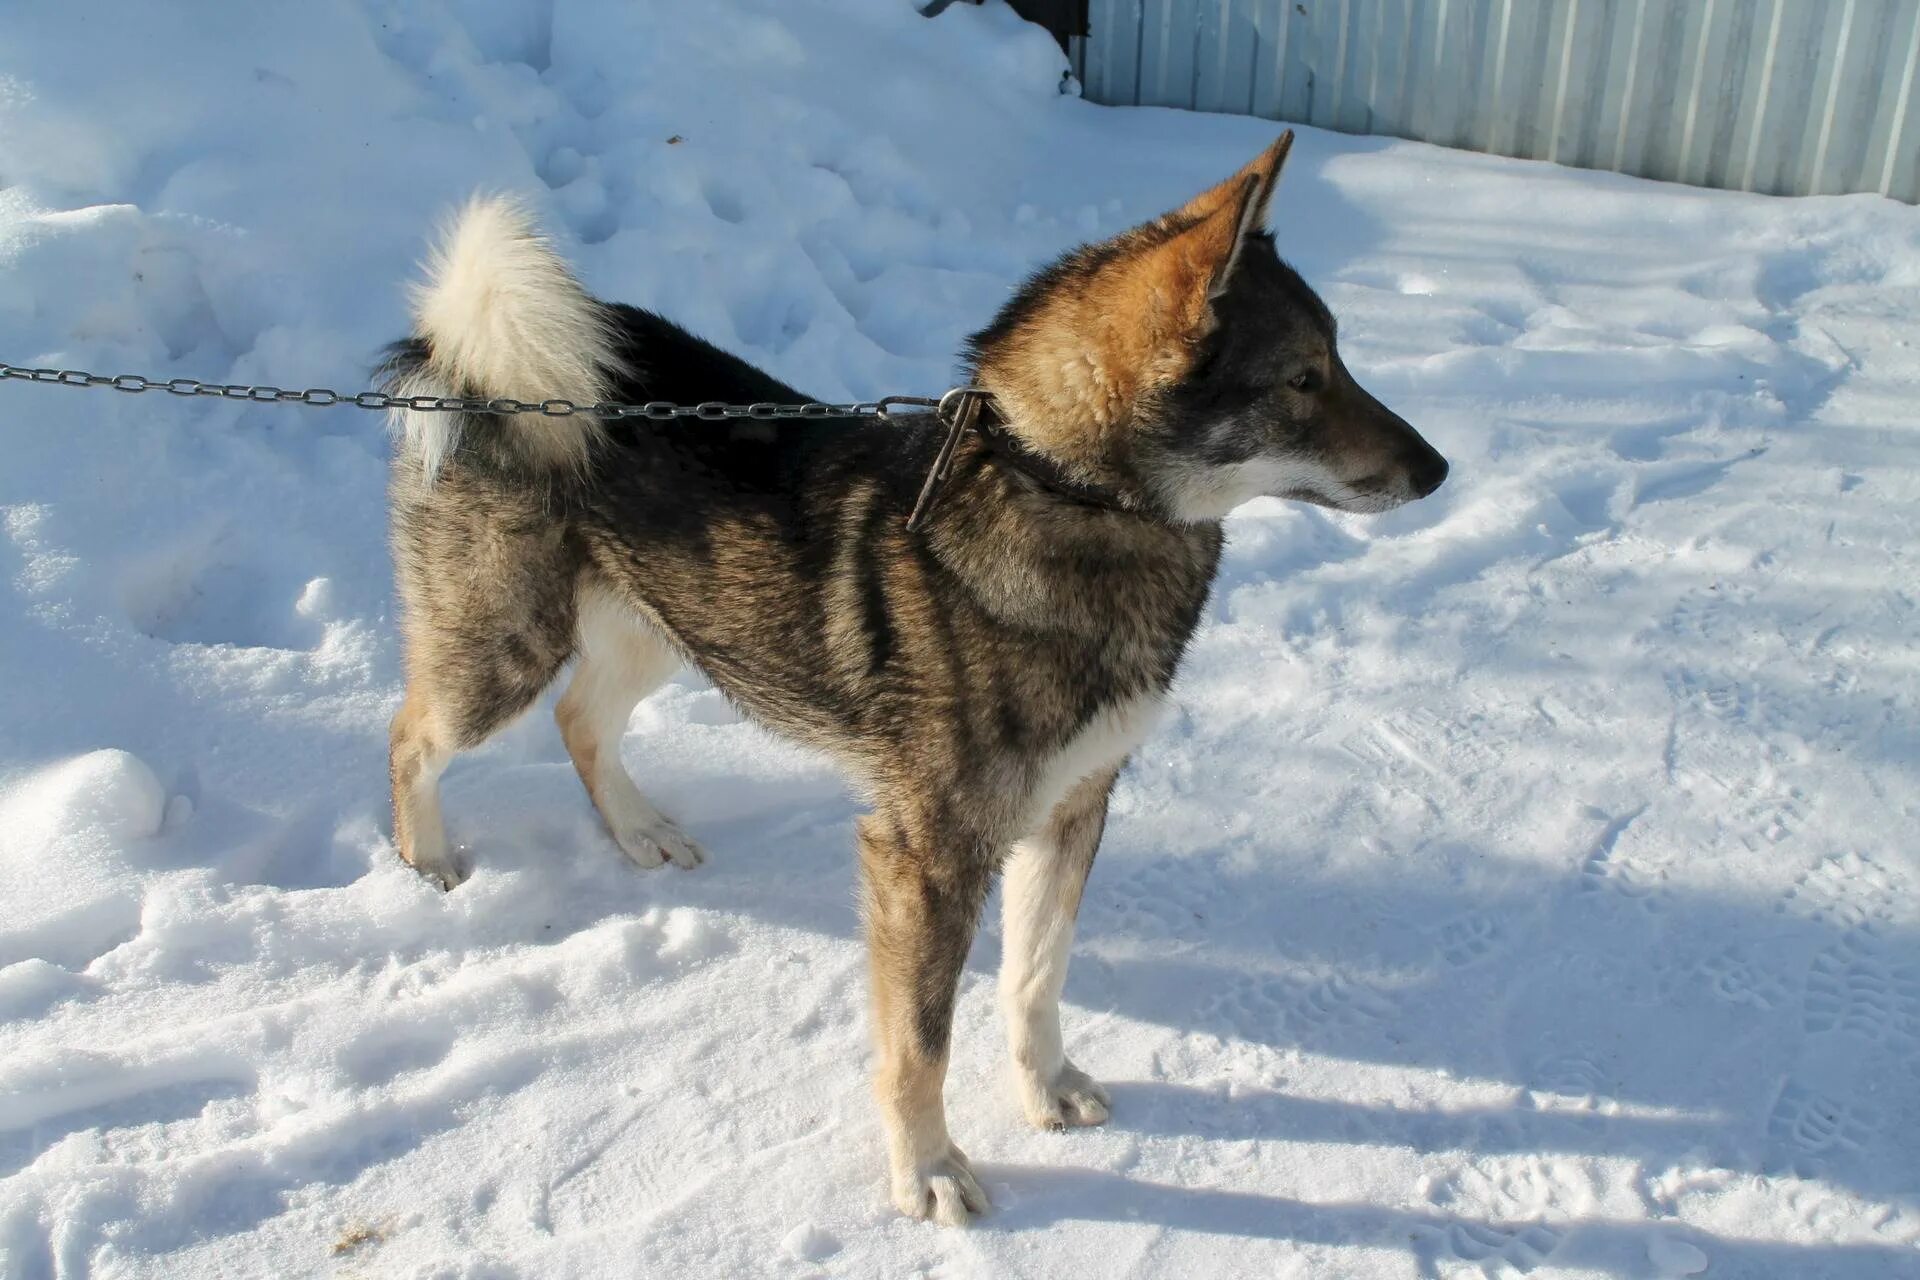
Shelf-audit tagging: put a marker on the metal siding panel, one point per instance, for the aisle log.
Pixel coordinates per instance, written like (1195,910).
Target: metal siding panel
(1209,53)
(1899,151)
(1271,20)
(1166,53)
(1561,79)
(1530,73)
(1499,117)
(1805,118)
(1084,62)
(1129,38)
(1766,57)
(1114,74)
(1593,65)
(1654,147)
(1343,47)
(1733,86)
(1629,34)
(1224,79)
(1443,84)
(1299,60)
(1700,103)
(1381,47)
(1357,68)
(1490,108)
(1322,54)
(1788,96)
(1345,44)
(1403,35)
(1093,59)
(1474,71)
(1479,54)
(1363,74)
(1869,61)
(1786,153)
(1834,47)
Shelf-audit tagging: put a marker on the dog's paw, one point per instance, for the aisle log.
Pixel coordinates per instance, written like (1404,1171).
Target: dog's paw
(1072,1098)
(656,843)
(944,1190)
(445,870)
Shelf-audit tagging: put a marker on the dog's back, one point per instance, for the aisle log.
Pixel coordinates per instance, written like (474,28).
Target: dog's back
(772,554)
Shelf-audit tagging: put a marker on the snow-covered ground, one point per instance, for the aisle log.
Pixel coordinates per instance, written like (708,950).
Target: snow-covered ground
(1527,882)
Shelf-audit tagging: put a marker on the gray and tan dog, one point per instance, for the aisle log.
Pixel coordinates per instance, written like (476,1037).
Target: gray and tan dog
(982,678)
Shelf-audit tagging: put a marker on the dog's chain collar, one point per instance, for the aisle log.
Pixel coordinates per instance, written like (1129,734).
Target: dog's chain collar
(965,409)
(1007,449)
(961,409)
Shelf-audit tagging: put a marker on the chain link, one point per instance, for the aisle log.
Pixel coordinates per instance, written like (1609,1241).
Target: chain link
(658,410)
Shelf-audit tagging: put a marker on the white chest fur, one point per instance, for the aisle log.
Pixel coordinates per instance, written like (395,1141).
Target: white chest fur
(1102,743)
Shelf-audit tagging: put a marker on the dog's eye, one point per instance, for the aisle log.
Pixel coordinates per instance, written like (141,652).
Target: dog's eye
(1307,380)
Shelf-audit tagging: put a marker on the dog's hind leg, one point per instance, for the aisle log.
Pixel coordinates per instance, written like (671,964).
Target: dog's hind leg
(417,756)
(621,661)
(924,886)
(488,613)
(1040,898)
(455,701)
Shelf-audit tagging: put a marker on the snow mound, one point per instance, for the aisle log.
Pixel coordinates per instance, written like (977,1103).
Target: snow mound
(104,799)
(70,855)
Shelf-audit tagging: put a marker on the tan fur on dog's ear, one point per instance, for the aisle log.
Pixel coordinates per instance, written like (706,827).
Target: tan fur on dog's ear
(1195,264)
(1266,167)
(1113,324)
(1249,191)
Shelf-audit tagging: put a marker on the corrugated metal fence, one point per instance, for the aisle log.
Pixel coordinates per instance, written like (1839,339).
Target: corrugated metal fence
(1793,97)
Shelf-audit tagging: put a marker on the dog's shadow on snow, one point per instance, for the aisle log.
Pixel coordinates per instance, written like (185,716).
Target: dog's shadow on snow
(1702,1033)
(1035,1197)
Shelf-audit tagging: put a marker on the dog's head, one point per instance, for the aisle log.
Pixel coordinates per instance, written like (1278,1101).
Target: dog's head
(1185,363)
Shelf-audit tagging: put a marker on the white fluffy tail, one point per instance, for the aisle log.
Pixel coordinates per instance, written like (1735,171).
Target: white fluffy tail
(502,316)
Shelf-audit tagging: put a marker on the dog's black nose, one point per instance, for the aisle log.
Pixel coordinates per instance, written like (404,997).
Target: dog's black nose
(1428,474)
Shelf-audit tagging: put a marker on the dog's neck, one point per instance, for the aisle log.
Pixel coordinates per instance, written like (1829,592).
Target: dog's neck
(1090,469)
(1048,554)
(1003,448)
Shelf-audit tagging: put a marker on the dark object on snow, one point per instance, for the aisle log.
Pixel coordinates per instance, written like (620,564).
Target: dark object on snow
(1063,18)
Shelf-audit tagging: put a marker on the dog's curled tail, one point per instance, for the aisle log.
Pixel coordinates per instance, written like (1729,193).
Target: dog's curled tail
(499,315)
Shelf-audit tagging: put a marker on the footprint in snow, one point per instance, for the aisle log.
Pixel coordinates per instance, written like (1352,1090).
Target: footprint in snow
(1807,1130)
(1853,987)
(1850,891)
(1470,939)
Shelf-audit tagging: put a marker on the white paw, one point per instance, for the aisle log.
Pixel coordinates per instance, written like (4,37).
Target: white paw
(944,1190)
(1071,1098)
(645,834)
(655,842)
(440,865)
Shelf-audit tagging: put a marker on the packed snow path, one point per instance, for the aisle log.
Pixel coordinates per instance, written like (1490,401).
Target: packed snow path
(1526,882)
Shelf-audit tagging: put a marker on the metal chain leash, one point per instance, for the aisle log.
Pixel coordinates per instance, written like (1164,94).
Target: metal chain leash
(659,410)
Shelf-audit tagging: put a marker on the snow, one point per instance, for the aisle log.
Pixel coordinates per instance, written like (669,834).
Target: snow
(1675,1257)
(1523,883)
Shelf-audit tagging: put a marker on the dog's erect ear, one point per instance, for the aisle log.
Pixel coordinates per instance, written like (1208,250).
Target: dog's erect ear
(1087,341)
(1193,265)
(1225,215)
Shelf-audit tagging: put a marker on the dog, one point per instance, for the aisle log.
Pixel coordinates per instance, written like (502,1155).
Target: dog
(981,677)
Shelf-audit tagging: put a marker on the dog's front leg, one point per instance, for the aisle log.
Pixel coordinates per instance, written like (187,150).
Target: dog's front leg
(1040,898)
(924,884)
